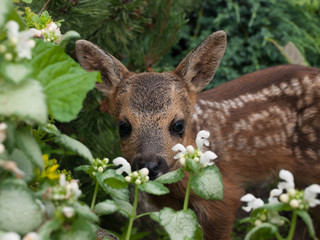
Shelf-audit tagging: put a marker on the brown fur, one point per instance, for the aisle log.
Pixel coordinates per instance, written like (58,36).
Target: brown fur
(259,123)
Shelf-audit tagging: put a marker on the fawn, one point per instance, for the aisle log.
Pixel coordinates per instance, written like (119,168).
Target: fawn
(259,123)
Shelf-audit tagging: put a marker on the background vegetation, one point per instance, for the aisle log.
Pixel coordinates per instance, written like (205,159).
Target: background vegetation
(155,35)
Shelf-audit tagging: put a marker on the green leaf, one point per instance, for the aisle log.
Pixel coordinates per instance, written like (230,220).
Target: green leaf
(49,227)
(18,207)
(264,226)
(179,225)
(193,165)
(25,100)
(65,82)
(124,207)
(154,188)
(67,37)
(5,6)
(27,1)
(275,206)
(106,207)
(85,212)
(74,145)
(171,177)
(114,180)
(308,221)
(84,168)
(15,72)
(24,164)
(208,183)
(30,147)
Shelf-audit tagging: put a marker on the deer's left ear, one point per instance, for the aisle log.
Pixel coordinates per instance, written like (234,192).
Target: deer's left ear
(199,66)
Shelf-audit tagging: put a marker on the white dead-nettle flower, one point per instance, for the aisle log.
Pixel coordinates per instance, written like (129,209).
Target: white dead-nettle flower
(274,194)
(144,172)
(252,202)
(125,165)
(31,236)
(68,211)
(51,33)
(11,236)
(204,158)
(288,183)
(310,195)
(21,40)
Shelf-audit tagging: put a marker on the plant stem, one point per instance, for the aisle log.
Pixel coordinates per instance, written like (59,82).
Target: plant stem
(142,215)
(293,225)
(94,195)
(186,198)
(133,214)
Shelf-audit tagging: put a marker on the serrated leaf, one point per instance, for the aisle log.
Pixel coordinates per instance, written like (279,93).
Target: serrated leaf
(65,82)
(17,206)
(124,207)
(5,6)
(106,207)
(308,221)
(154,188)
(171,177)
(74,145)
(23,163)
(25,100)
(179,225)
(114,180)
(208,183)
(15,72)
(273,229)
(85,212)
(30,147)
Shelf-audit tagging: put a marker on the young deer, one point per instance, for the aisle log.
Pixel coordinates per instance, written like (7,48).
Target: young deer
(259,123)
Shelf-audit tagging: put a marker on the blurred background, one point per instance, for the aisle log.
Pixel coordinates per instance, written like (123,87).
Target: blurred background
(155,35)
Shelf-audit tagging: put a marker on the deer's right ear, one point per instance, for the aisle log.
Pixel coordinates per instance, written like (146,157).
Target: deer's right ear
(92,58)
(199,66)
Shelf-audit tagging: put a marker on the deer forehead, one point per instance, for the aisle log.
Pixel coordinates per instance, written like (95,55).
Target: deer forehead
(151,94)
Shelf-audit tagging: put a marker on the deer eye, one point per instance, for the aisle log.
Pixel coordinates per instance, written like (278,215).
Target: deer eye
(124,129)
(177,127)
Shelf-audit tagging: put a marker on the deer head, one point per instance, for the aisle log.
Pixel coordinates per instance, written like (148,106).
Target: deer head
(154,110)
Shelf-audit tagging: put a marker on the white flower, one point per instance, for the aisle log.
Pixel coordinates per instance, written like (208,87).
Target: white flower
(274,194)
(31,236)
(190,149)
(310,194)
(51,33)
(201,139)
(144,172)
(21,40)
(125,165)
(10,236)
(252,201)
(288,183)
(75,187)
(206,157)
(179,147)
(62,180)
(68,212)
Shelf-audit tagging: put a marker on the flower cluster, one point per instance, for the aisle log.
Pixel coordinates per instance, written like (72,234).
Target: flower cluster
(203,158)
(16,236)
(99,165)
(51,33)
(65,191)
(296,199)
(136,177)
(19,44)
(3,135)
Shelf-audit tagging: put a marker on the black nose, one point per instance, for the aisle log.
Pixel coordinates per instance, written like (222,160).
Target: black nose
(156,164)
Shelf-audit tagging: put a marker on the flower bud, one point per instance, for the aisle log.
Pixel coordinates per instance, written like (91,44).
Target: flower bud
(199,153)
(144,172)
(294,203)
(263,217)
(183,161)
(138,182)
(146,178)
(94,173)
(292,192)
(284,198)
(190,149)
(3,48)
(196,159)
(257,222)
(8,56)
(135,174)
(128,179)
(100,169)
(14,41)
(31,236)
(105,160)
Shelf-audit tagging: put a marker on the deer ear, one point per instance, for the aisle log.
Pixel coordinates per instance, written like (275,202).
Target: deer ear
(92,58)
(199,66)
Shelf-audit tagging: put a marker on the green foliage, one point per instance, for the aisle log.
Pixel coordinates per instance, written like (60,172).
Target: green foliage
(35,21)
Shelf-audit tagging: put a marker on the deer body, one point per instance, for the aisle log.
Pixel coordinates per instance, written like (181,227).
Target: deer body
(259,123)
